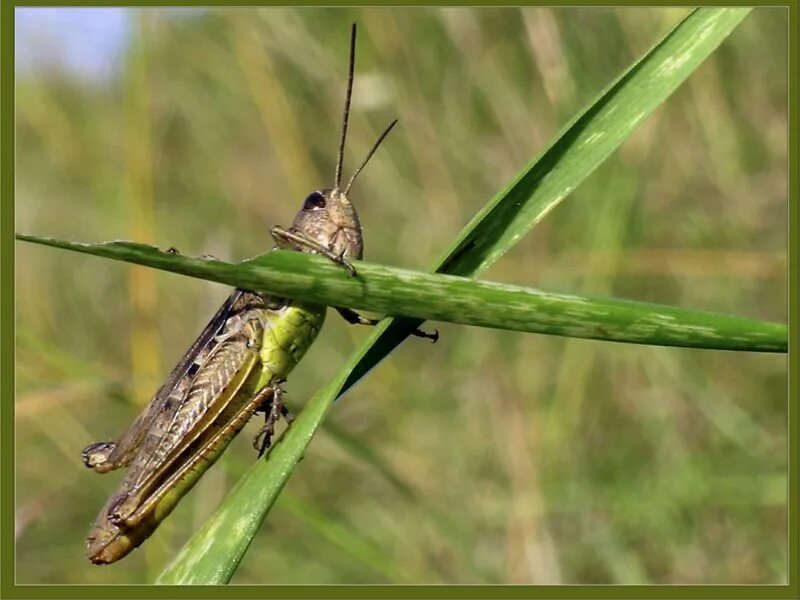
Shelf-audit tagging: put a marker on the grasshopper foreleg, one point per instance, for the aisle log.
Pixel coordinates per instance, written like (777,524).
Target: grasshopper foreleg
(355,318)
(299,239)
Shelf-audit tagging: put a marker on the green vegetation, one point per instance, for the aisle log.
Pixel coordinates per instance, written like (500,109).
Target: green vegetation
(478,461)
(403,293)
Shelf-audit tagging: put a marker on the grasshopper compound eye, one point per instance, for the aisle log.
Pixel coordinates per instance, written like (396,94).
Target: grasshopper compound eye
(315,201)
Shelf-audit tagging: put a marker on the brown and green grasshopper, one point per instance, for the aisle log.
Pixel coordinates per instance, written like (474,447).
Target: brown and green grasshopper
(235,368)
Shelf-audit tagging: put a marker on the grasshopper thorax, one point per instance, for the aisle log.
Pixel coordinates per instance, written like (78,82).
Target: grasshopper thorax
(329,219)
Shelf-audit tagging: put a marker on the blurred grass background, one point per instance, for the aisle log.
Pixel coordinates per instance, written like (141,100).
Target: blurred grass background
(491,457)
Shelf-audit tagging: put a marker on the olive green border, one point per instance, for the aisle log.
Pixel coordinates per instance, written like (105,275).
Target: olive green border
(8,589)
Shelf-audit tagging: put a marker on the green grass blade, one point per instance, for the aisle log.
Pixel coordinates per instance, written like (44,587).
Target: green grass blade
(517,208)
(393,291)
(575,153)
(212,555)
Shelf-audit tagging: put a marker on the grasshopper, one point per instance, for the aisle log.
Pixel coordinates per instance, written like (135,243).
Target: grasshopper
(235,368)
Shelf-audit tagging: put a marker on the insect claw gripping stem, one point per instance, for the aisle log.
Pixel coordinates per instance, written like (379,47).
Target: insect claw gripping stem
(355,318)
(299,239)
(340,259)
(420,333)
(262,439)
(433,337)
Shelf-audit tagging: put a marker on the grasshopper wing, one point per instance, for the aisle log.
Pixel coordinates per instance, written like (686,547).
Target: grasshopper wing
(212,391)
(107,456)
(203,413)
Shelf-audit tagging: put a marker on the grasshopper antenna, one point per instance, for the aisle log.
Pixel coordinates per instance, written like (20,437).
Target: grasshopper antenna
(369,155)
(340,158)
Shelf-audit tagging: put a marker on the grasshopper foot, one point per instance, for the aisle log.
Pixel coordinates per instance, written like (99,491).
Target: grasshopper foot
(433,337)
(340,260)
(263,439)
(355,318)
(97,453)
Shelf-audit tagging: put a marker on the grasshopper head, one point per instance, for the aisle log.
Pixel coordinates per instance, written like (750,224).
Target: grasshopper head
(328,218)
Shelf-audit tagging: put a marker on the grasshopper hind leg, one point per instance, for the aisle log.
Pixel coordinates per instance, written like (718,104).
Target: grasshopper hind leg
(273,411)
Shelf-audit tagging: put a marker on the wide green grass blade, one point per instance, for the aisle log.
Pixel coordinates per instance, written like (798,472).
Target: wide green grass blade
(214,552)
(393,291)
